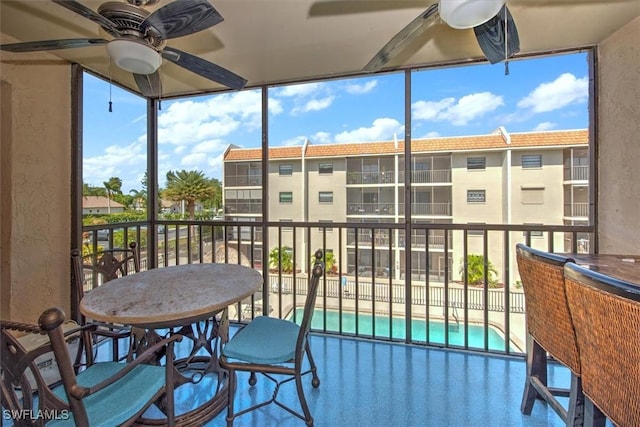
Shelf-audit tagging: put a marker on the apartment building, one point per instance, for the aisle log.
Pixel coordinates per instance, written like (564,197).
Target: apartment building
(500,178)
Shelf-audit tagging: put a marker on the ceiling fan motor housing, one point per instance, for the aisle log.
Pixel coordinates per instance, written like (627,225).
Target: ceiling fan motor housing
(134,56)
(462,14)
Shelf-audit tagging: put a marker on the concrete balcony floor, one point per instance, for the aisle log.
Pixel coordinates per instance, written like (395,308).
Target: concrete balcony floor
(365,383)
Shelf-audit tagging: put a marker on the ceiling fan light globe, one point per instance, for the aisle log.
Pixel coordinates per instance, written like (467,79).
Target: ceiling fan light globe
(462,14)
(134,56)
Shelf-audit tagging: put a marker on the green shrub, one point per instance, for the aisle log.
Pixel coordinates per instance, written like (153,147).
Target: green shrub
(475,270)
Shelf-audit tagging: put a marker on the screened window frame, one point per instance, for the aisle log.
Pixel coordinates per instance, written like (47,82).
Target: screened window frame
(527,161)
(324,202)
(285,165)
(322,166)
(283,193)
(473,199)
(477,163)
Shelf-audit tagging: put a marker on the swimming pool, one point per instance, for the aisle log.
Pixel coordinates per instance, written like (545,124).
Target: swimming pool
(366,323)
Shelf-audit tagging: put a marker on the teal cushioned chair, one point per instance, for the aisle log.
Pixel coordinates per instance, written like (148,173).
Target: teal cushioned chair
(104,394)
(270,346)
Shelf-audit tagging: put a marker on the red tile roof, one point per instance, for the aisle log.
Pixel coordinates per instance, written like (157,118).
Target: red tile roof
(459,143)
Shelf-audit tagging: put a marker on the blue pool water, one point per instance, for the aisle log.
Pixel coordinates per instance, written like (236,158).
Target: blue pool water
(476,333)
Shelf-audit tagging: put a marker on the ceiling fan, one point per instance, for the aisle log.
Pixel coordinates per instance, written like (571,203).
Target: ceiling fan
(139,39)
(491,21)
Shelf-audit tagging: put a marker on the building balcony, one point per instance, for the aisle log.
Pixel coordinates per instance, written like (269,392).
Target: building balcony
(576,210)
(242,181)
(576,173)
(439,176)
(427,209)
(360,178)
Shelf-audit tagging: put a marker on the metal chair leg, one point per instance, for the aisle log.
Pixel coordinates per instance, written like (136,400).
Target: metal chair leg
(233,382)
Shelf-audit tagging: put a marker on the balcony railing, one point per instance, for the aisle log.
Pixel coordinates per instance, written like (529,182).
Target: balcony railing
(370,178)
(437,176)
(437,209)
(439,288)
(370,209)
(242,180)
(576,210)
(576,173)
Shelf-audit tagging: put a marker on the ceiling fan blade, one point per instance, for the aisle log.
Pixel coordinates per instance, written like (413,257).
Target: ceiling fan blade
(493,39)
(403,38)
(84,11)
(182,18)
(149,84)
(204,68)
(51,45)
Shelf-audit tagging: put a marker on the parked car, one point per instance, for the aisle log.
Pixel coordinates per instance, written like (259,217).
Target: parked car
(103,235)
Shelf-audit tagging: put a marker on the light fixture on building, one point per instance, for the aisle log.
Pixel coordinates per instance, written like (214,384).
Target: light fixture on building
(463,14)
(134,56)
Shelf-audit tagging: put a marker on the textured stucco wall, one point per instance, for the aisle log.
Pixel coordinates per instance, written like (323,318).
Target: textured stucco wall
(619,142)
(36,154)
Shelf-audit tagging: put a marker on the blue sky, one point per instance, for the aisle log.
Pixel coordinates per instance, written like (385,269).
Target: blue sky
(549,93)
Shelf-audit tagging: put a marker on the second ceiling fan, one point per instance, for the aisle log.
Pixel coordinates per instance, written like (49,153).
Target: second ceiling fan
(491,21)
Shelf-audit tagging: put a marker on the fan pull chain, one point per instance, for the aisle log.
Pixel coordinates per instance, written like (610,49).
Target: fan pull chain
(506,44)
(110,84)
(160,94)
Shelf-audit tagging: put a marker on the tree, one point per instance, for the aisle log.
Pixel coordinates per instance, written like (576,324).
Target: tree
(329,262)
(190,186)
(475,270)
(112,186)
(281,258)
(90,190)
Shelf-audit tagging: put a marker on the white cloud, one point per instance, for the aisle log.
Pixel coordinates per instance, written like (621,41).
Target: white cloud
(314,105)
(431,110)
(381,129)
(356,89)
(115,161)
(432,134)
(193,159)
(304,89)
(275,106)
(296,140)
(545,126)
(563,91)
(321,138)
(210,146)
(466,109)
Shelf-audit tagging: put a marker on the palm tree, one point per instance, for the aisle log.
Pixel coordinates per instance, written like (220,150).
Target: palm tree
(113,186)
(190,186)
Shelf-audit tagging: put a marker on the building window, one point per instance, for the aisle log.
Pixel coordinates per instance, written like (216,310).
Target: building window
(476,163)
(327,228)
(286,170)
(532,195)
(325,168)
(325,197)
(476,196)
(286,197)
(531,161)
(286,227)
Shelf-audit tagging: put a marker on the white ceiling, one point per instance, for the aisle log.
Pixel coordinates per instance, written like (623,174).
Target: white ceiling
(277,41)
